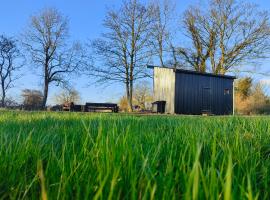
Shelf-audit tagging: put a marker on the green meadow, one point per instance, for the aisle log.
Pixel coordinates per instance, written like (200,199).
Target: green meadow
(116,156)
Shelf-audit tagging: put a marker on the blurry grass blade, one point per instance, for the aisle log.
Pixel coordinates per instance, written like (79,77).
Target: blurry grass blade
(41,176)
(228,180)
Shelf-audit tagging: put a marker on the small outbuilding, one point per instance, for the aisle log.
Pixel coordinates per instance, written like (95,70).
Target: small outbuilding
(194,93)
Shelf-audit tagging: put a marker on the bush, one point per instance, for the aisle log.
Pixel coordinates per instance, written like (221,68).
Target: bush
(255,103)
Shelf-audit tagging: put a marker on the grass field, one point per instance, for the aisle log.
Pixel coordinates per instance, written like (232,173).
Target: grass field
(103,156)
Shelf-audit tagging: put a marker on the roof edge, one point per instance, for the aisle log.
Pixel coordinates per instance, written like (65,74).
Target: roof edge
(194,72)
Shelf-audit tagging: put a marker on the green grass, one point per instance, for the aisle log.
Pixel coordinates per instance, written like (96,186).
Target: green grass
(103,156)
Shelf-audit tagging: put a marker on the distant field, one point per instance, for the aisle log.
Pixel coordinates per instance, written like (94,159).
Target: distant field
(113,156)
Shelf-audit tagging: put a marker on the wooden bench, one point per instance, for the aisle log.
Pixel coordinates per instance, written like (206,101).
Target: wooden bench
(95,107)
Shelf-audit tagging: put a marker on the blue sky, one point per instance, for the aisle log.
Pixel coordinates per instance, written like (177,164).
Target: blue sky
(86,18)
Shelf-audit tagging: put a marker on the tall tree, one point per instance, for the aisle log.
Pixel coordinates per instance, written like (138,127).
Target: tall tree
(163,15)
(202,36)
(47,42)
(10,64)
(121,55)
(227,34)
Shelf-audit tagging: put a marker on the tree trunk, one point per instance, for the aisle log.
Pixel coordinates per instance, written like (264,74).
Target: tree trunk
(46,81)
(129,98)
(3,96)
(131,95)
(3,99)
(45,93)
(161,52)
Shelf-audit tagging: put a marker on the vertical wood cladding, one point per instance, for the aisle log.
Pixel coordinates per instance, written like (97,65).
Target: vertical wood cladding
(164,87)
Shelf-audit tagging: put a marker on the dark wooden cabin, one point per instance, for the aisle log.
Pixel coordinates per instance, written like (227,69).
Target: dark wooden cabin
(195,93)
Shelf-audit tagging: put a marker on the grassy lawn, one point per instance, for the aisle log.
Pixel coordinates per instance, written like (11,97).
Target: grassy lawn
(113,156)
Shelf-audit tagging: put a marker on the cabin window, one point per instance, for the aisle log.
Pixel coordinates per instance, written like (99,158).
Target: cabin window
(226,92)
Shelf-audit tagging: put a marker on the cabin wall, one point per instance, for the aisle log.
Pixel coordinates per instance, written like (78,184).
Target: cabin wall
(164,87)
(196,94)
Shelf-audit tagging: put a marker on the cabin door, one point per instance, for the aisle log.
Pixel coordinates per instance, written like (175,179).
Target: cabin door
(206,100)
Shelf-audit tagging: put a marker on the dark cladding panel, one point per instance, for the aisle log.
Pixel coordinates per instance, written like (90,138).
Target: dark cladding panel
(222,98)
(198,93)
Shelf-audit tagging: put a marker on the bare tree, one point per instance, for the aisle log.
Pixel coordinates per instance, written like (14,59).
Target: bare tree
(174,60)
(201,33)
(121,55)
(143,94)
(10,64)
(67,96)
(46,41)
(163,15)
(229,33)
(32,99)
(250,97)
